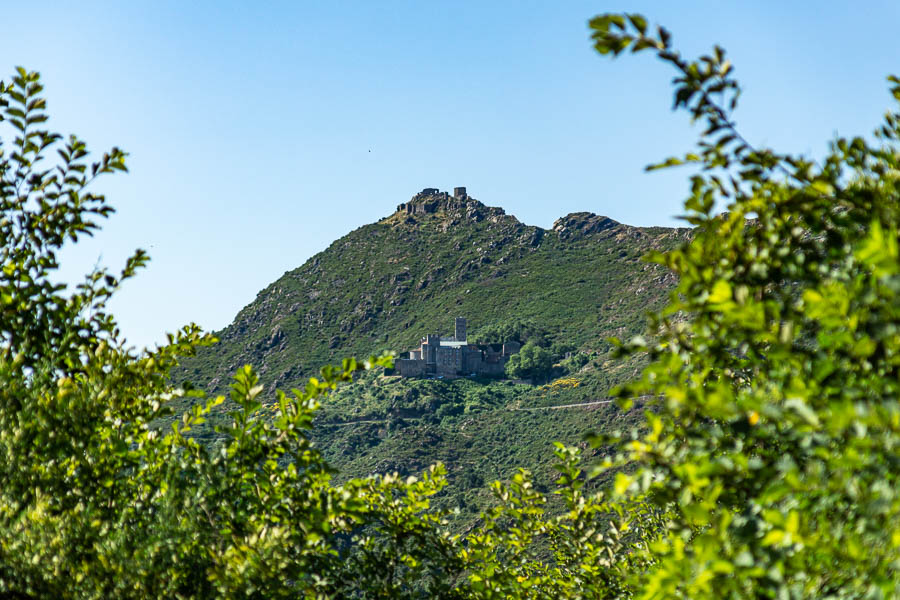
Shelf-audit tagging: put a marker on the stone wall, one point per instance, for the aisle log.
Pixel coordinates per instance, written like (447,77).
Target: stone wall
(497,369)
(409,368)
(449,361)
(511,347)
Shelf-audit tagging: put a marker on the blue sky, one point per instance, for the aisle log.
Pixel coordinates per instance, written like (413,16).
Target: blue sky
(260,132)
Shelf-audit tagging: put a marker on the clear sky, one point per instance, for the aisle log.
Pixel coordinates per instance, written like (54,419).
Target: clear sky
(260,132)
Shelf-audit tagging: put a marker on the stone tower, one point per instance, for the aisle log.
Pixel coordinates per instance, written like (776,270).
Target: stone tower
(460,335)
(460,192)
(429,348)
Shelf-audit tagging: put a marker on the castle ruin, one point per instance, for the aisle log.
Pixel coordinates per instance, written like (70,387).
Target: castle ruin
(428,200)
(451,357)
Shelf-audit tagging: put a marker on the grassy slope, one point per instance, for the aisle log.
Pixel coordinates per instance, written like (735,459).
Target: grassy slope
(480,430)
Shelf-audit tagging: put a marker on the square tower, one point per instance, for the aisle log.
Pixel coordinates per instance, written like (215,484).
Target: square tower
(429,348)
(460,334)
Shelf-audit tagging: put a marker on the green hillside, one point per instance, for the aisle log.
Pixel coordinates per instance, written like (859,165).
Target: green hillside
(385,285)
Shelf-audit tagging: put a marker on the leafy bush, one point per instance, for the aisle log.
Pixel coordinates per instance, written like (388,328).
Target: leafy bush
(512,330)
(559,350)
(531,362)
(575,362)
(772,449)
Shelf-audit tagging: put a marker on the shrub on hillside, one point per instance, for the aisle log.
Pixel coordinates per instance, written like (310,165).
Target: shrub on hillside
(516,330)
(531,362)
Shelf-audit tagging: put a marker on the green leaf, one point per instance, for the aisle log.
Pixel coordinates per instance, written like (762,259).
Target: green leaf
(639,22)
(720,293)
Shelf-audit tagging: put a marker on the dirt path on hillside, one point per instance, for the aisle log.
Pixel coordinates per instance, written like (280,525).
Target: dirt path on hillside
(526,408)
(558,406)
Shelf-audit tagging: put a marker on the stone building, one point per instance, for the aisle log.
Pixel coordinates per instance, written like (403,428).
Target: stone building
(429,200)
(450,357)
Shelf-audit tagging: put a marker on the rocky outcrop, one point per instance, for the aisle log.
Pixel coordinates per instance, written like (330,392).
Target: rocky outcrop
(582,223)
(431,201)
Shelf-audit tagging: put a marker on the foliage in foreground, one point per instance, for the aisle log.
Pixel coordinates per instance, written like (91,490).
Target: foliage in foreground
(767,468)
(774,447)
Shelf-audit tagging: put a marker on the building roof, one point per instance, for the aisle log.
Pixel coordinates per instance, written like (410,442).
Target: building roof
(453,343)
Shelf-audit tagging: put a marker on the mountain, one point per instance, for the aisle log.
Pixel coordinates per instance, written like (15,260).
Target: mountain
(387,284)
(439,256)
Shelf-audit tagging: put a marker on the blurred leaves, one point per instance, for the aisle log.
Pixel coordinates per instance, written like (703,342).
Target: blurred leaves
(771,448)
